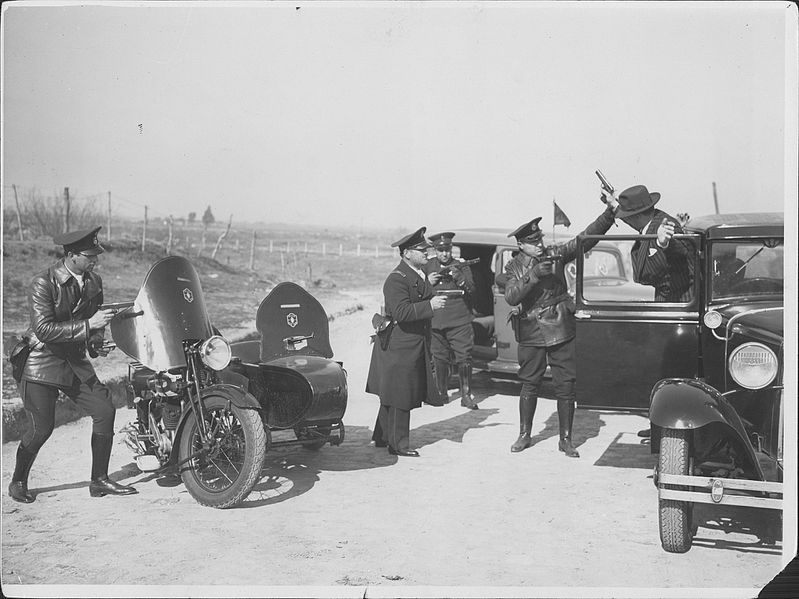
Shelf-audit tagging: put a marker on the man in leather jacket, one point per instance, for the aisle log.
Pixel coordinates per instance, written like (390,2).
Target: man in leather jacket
(451,328)
(544,322)
(65,322)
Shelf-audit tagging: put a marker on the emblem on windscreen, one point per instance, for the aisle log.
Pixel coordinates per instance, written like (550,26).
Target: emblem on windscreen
(291,319)
(188,295)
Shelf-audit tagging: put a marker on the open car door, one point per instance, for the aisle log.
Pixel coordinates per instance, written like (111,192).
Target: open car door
(626,341)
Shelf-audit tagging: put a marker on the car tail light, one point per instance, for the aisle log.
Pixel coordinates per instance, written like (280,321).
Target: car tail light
(753,365)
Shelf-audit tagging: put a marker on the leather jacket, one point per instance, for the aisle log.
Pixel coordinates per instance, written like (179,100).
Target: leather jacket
(59,330)
(545,313)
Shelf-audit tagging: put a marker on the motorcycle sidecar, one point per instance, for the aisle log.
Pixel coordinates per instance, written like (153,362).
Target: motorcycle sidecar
(290,371)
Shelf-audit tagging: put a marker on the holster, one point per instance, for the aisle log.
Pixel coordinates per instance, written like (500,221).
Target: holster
(383,326)
(18,355)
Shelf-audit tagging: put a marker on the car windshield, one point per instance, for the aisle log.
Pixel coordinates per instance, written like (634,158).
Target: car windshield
(747,268)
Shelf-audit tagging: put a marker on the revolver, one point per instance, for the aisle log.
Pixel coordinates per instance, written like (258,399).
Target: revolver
(449,268)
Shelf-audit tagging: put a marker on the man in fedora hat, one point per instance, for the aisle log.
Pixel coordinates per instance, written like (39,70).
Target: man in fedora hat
(65,322)
(451,327)
(544,324)
(664,263)
(400,370)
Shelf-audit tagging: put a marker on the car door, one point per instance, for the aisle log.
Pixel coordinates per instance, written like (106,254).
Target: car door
(626,341)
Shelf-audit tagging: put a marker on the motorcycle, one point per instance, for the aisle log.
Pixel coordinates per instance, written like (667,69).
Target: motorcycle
(187,418)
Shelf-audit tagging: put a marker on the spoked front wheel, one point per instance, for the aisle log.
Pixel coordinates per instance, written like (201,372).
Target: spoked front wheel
(222,472)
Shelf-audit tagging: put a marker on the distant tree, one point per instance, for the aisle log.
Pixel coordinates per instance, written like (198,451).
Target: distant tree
(208,217)
(192,217)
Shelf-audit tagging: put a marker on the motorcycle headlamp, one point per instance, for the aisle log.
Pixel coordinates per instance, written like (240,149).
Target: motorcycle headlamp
(215,352)
(753,365)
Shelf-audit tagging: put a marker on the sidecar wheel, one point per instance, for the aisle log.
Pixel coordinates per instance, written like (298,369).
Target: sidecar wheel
(223,475)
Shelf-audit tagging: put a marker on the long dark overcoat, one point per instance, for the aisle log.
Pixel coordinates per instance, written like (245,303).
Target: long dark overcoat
(402,374)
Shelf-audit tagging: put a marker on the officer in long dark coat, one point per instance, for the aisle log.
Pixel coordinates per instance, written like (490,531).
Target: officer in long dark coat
(451,327)
(65,323)
(544,322)
(400,372)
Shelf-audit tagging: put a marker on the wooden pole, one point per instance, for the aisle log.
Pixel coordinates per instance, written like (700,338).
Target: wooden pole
(252,251)
(66,209)
(324,249)
(108,227)
(144,230)
(169,237)
(715,198)
(221,238)
(19,216)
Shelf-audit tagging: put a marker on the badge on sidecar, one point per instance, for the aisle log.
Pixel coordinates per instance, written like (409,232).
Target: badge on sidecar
(291,319)
(188,295)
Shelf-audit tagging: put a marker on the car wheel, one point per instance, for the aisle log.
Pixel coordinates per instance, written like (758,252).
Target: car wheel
(674,517)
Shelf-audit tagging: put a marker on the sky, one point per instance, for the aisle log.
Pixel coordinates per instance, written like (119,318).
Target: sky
(400,114)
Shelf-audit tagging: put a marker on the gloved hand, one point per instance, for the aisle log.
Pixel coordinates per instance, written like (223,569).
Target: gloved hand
(543,268)
(665,233)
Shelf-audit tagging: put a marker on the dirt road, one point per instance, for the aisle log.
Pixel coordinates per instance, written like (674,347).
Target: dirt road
(467,514)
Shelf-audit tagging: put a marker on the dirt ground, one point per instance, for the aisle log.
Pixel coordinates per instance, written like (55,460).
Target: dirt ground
(467,518)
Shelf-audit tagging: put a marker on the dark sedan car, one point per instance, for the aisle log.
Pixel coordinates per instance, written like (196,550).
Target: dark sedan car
(709,370)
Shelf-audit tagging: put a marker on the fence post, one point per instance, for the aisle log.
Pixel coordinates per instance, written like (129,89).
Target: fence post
(358,250)
(169,236)
(19,216)
(108,238)
(270,246)
(66,209)
(144,230)
(221,238)
(282,263)
(306,247)
(252,251)
(323,249)
(340,249)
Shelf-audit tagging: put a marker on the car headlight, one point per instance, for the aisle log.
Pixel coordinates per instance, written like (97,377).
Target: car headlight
(215,352)
(753,365)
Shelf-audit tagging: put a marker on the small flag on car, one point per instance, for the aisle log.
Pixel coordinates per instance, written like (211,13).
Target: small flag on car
(560,216)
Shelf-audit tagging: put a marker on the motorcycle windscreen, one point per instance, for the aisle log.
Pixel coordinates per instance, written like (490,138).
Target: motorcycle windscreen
(168,309)
(292,322)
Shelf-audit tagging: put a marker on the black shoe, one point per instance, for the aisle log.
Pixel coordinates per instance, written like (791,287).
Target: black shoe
(381,444)
(565,445)
(645,433)
(18,491)
(106,486)
(408,453)
(469,403)
(523,442)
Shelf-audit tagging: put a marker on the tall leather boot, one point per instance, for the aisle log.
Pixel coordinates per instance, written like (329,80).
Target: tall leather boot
(101,454)
(18,489)
(442,379)
(527,405)
(566,420)
(465,379)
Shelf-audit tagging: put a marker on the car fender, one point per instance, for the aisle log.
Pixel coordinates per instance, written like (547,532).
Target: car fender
(687,404)
(690,404)
(235,395)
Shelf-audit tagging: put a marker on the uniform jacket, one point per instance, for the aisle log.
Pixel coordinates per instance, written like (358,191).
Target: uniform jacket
(59,329)
(669,271)
(402,373)
(456,312)
(546,311)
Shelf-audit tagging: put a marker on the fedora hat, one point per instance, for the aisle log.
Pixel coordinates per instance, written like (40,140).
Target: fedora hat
(636,199)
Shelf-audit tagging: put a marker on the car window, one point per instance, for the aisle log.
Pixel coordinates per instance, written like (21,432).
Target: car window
(746,268)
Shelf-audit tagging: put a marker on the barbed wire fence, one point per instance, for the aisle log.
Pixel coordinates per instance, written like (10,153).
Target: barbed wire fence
(37,215)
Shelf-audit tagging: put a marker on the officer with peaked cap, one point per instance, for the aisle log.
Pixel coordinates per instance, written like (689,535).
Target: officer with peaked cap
(543,322)
(65,322)
(400,371)
(451,327)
